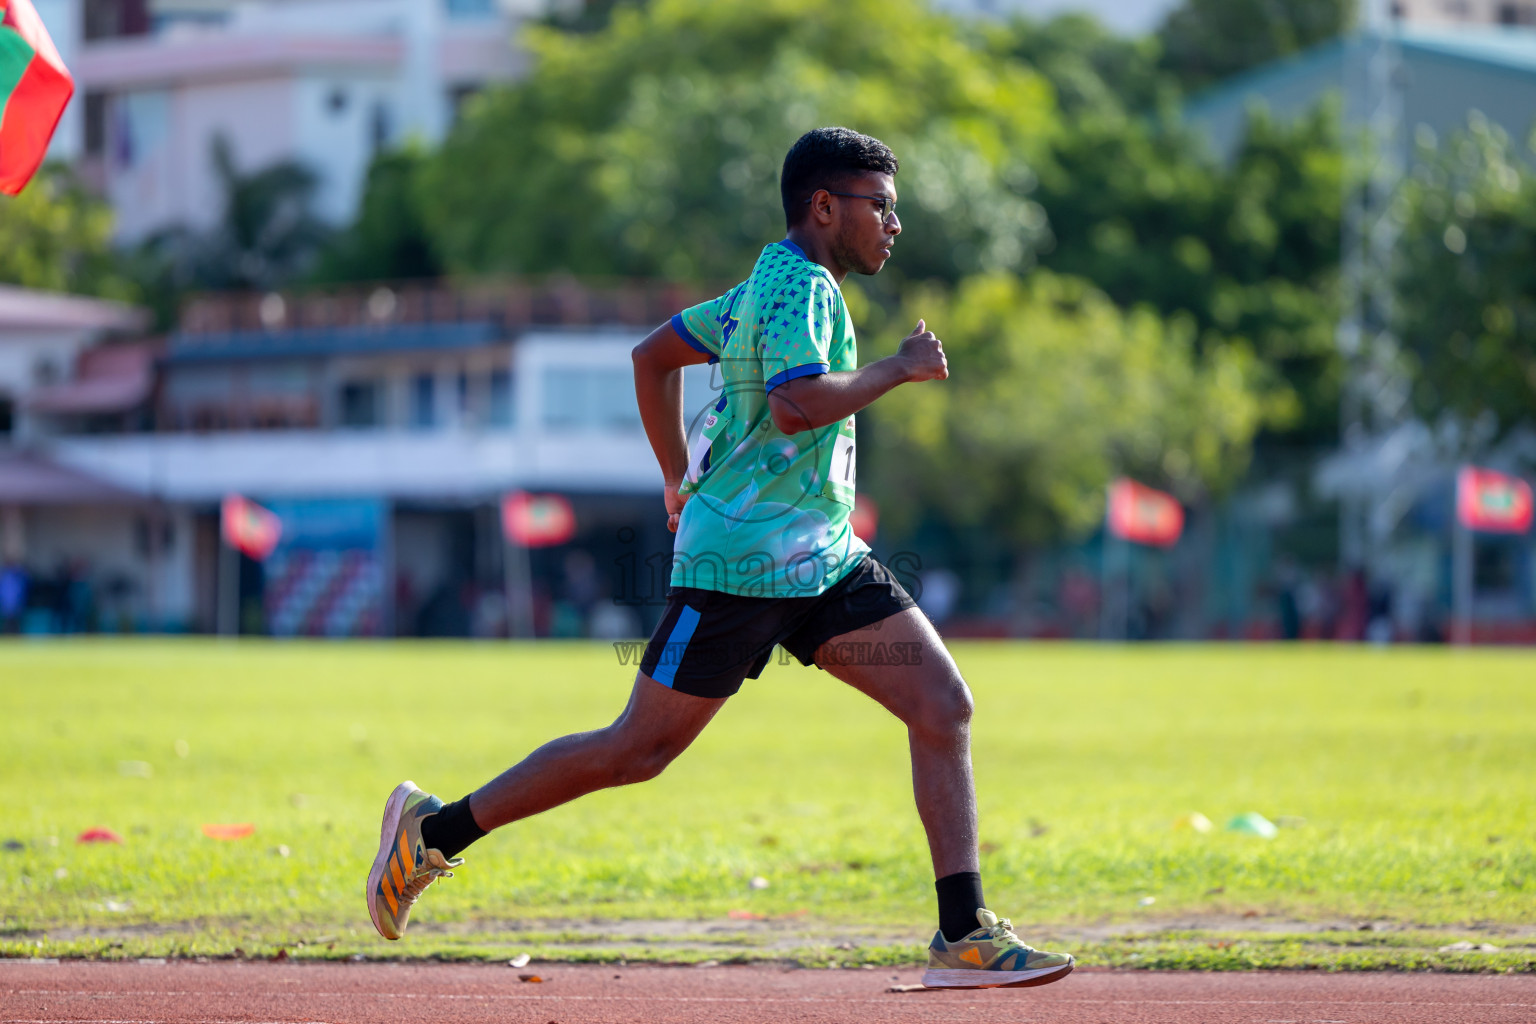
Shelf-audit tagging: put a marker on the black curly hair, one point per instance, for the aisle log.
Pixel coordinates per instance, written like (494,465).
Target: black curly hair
(827,158)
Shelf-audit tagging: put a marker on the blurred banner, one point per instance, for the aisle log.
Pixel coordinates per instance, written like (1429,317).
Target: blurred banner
(1492,502)
(249,528)
(34,89)
(1143,515)
(326,578)
(537,520)
(865,518)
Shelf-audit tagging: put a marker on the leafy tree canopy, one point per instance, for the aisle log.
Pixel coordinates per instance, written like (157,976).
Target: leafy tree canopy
(1466,291)
(1205,41)
(1249,249)
(653,147)
(1053,391)
(388,240)
(55,236)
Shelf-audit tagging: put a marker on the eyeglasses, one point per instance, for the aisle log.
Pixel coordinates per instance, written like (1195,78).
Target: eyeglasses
(886,203)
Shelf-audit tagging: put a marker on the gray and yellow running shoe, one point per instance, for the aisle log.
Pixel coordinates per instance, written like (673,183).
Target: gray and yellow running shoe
(992,957)
(404,867)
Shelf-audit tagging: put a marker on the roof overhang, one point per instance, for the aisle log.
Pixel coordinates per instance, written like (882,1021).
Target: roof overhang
(25,308)
(144,61)
(27,479)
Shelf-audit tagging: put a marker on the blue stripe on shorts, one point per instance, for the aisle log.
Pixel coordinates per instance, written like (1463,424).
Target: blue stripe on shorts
(677,644)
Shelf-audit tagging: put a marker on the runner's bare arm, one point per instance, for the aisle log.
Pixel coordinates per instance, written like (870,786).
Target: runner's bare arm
(659,362)
(809,403)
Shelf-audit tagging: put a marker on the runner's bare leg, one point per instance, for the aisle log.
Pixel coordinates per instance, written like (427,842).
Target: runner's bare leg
(932,700)
(658,724)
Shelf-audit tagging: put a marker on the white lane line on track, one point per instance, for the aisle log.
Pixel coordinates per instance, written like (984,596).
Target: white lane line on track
(556,997)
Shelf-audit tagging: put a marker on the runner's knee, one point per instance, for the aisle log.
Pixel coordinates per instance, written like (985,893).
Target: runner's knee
(640,761)
(944,710)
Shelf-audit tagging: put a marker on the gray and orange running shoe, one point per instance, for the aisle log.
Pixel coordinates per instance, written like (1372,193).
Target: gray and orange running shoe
(992,957)
(404,867)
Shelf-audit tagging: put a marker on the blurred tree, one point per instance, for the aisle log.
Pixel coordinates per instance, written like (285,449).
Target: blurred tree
(388,240)
(1054,390)
(1249,249)
(267,235)
(1092,69)
(1204,41)
(652,147)
(1467,286)
(585,15)
(55,236)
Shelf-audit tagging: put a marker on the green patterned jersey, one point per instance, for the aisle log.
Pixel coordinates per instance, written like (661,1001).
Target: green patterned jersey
(768,516)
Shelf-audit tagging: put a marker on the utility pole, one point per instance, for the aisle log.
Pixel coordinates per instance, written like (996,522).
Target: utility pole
(1375,392)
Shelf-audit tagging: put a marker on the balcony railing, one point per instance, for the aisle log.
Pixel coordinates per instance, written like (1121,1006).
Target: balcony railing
(510,304)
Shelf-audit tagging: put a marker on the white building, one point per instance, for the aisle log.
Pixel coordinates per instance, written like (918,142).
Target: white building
(385,427)
(324,82)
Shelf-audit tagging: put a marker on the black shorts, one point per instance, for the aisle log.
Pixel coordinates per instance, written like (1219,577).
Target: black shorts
(708,641)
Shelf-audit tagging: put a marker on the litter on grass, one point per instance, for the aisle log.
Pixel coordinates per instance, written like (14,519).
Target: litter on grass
(99,835)
(1253,824)
(521,960)
(136,769)
(1194,820)
(225,833)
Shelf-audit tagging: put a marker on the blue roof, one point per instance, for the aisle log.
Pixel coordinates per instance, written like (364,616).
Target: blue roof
(327,341)
(1511,48)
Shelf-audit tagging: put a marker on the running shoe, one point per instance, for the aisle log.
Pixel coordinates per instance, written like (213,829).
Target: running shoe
(992,957)
(404,867)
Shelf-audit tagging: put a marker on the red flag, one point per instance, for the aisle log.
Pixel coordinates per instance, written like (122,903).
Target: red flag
(865,518)
(1492,502)
(34,89)
(250,528)
(537,520)
(1146,516)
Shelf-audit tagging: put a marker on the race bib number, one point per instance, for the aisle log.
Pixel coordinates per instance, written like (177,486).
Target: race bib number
(844,469)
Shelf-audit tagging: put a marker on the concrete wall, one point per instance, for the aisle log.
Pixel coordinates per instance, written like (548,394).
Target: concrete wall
(132,588)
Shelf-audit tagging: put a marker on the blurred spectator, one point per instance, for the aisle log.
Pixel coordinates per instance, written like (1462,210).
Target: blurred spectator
(1378,626)
(1079,602)
(1289,601)
(1354,607)
(938,593)
(13,596)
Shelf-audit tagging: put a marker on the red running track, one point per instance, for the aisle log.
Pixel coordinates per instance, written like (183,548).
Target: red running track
(212,993)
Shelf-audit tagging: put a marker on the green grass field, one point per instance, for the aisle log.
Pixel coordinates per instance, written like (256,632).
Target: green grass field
(1405,779)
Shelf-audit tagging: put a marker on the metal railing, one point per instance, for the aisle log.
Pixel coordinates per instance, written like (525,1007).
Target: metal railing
(511,304)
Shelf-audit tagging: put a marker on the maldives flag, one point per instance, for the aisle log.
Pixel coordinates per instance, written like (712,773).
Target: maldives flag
(34,89)
(250,528)
(1144,515)
(537,520)
(1492,502)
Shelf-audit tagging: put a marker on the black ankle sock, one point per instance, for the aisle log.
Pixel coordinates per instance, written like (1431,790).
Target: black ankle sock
(959,899)
(451,829)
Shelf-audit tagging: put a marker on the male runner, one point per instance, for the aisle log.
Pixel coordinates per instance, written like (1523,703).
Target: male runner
(765,555)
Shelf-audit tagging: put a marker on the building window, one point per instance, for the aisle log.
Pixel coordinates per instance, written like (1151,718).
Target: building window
(590,399)
(470,8)
(95,124)
(500,412)
(360,404)
(1517,14)
(112,19)
(423,401)
(7,418)
(380,127)
(336,101)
